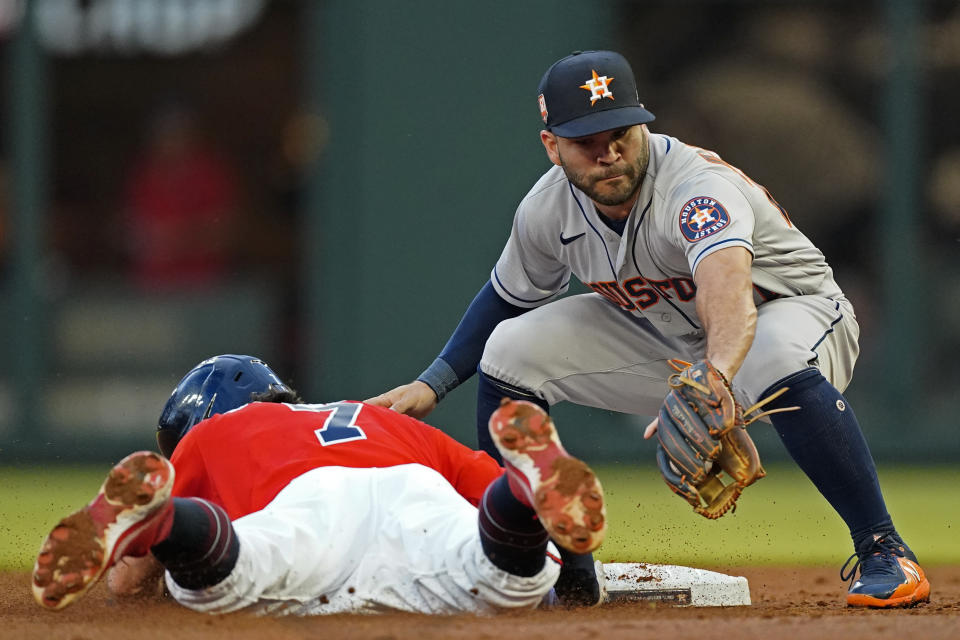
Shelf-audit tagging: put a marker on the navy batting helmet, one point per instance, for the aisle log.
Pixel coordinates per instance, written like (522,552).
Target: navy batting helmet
(214,386)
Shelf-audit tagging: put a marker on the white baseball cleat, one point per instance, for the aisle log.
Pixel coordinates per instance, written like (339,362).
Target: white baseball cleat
(563,490)
(131,509)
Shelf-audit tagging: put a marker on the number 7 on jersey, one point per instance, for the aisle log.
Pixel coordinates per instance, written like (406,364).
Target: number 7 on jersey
(340,425)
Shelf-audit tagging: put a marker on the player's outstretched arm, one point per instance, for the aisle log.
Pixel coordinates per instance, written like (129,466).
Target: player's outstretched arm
(458,360)
(725,305)
(414,399)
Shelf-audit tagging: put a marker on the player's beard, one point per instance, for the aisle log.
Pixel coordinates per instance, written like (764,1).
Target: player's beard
(610,195)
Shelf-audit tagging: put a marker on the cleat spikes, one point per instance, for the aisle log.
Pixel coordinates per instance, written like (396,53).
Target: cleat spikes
(563,490)
(133,504)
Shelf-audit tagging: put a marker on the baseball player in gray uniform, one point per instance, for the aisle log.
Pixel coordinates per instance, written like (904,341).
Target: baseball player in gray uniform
(687,258)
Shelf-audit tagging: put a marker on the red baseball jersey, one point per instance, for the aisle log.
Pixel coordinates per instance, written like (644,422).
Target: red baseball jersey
(241,459)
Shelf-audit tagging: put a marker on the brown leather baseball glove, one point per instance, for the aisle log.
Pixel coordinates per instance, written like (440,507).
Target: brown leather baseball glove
(704,453)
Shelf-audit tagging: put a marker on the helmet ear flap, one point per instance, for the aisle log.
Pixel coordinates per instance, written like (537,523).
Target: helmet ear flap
(167,441)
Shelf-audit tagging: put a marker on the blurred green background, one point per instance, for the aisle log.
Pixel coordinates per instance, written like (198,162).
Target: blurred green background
(355,166)
(780,520)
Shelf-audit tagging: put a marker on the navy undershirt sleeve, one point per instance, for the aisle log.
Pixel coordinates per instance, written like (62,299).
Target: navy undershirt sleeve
(461,355)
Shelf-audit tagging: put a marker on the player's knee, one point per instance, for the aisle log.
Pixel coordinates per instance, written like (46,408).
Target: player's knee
(763,369)
(510,355)
(507,345)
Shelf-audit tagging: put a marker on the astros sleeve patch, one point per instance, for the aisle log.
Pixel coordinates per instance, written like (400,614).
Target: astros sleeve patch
(702,217)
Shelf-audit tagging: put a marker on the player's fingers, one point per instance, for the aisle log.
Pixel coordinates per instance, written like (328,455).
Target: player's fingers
(415,404)
(390,398)
(650,430)
(401,405)
(132,577)
(382,400)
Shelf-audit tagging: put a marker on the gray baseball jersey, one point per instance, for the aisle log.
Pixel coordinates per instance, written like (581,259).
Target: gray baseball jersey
(610,348)
(691,204)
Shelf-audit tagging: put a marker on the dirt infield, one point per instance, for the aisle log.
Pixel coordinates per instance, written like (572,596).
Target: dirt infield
(793,603)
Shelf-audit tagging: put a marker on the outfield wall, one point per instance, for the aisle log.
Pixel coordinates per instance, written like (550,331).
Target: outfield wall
(382,148)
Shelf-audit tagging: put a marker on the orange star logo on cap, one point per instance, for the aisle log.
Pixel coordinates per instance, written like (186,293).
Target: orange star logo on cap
(598,86)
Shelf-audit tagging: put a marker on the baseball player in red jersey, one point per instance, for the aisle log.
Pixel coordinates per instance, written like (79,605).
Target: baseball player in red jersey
(687,258)
(275,506)
(291,439)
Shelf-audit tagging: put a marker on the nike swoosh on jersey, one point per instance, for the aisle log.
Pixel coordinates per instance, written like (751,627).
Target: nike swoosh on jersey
(571,238)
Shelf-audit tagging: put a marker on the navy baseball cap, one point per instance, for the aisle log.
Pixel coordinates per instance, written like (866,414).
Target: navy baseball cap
(588,92)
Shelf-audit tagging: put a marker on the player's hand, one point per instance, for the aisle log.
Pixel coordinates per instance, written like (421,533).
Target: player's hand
(136,577)
(415,399)
(651,429)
